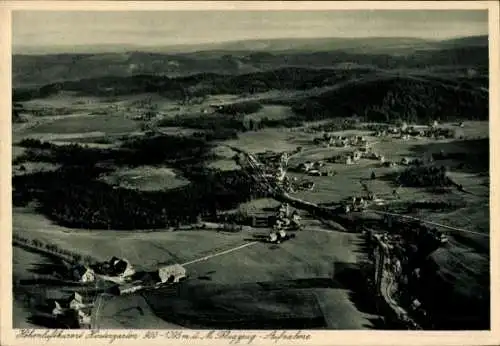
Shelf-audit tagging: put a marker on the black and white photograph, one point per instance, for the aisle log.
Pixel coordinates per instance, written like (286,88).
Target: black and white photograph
(251,170)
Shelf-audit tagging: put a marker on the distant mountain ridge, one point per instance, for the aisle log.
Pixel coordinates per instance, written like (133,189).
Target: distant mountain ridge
(270,45)
(237,58)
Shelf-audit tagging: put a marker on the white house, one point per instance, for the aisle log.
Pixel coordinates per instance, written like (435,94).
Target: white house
(83,318)
(58,310)
(356,155)
(172,273)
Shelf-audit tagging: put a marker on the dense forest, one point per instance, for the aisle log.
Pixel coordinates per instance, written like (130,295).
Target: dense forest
(424,176)
(72,195)
(397,99)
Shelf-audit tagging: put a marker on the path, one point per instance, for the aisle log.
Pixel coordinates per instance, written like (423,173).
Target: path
(219,253)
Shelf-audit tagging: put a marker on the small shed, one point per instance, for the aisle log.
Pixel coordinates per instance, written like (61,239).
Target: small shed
(172,273)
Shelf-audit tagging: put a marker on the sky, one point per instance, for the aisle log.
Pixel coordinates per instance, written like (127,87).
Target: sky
(49,28)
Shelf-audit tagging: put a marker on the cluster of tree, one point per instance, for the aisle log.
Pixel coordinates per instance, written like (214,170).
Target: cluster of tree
(52,249)
(50,111)
(238,108)
(336,125)
(73,198)
(212,123)
(177,151)
(425,176)
(227,127)
(434,205)
(71,154)
(397,99)
(219,134)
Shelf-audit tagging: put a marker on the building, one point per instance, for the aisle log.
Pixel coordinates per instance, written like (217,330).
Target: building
(318,164)
(308,185)
(82,274)
(121,267)
(340,143)
(83,319)
(172,273)
(127,288)
(57,310)
(356,155)
(405,161)
(348,160)
(76,302)
(305,166)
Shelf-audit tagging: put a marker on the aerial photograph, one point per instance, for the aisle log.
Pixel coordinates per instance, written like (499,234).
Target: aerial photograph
(251,170)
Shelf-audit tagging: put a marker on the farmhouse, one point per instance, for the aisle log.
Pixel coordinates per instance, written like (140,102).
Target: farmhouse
(82,274)
(76,301)
(356,155)
(315,172)
(83,318)
(305,166)
(308,185)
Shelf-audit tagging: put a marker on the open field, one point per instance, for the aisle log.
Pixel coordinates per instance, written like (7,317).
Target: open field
(288,286)
(81,124)
(146,178)
(143,249)
(267,139)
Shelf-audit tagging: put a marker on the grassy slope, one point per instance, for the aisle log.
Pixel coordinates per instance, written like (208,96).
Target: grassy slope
(309,270)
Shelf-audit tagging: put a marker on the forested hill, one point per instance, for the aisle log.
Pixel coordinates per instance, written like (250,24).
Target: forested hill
(37,70)
(411,99)
(291,78)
